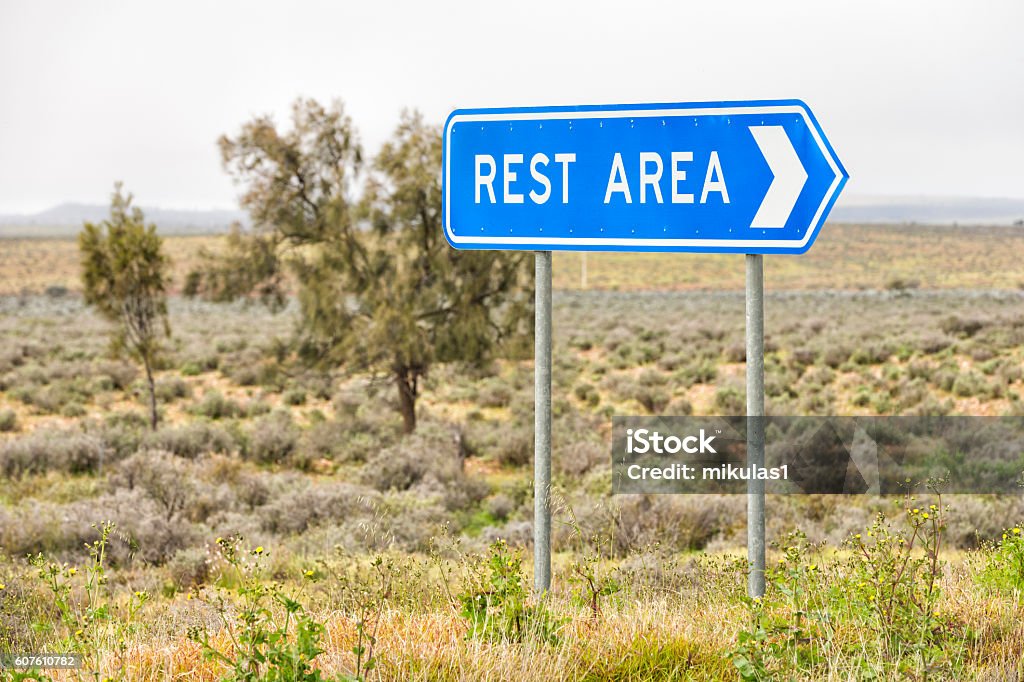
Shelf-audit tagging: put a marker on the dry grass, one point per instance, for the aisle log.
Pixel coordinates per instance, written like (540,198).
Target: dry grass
(33,265)
(685,636)
(843,257)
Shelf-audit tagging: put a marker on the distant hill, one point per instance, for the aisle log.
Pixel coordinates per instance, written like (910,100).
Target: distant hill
(66,220)
(928,210)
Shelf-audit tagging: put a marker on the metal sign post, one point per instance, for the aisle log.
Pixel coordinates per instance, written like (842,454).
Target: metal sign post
(755,422)
(751,177)
(542,426)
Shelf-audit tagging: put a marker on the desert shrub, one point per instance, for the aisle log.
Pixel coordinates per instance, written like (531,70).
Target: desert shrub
(961,326)
(348,400)
(730,400)
(8,420)
(819,376)
(252,490)
(271,439)
(576,457)
(980,351)
(653,398)
(494,392)
(171,389)
(298,505)
(65,450)
(121,375)
(898,283)
(736,352)
(934,343)
(652,377)
(673,361)
(871,354)
(945,376)
(777,385)
(189,567)
(53,398)
(701,372)
(215,406)
(588,394)
(968,383)
(617,337)
(509,444)
(817,402)
(679,407)
(803,357)
(294,397)
(433,450)
(325,440)
(190,440)
(835,355)
(190,369)
(681,522)
(73,410)
(164,478)
(500,506)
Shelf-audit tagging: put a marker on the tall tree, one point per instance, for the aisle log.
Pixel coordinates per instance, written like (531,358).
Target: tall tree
(124,275)
(379,289)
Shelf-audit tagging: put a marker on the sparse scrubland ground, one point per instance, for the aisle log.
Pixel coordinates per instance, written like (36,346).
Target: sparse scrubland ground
(278,499)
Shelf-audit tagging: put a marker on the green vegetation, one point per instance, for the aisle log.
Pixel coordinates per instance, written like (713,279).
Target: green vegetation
(124,275)
(379,289)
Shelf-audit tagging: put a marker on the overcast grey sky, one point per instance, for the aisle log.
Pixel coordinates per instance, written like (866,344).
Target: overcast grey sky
(918,98)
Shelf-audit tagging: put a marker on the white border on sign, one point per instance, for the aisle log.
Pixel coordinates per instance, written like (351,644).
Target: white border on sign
(639,113)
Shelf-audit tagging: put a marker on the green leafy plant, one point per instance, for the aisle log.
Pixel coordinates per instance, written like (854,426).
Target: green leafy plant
(895,574)
(272,636)
(497,605)
(886,590)
(92,618)
(366,593)
(789,625)
(1004,566)
(592,582)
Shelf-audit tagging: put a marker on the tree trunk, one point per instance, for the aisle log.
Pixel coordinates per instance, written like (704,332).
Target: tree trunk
(152,393)
(406,381)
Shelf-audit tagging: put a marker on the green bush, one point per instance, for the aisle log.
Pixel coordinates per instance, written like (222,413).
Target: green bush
(274,638)
(272,439)
(8,420)
(215,406)
(171,389)
(1004,565)
(497,604)
(294,397)
(730,401)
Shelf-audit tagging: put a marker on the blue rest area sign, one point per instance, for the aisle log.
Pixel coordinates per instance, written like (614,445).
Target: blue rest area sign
(721,177)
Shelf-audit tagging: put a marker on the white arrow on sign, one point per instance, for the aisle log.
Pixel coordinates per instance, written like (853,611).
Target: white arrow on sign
(789,173)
